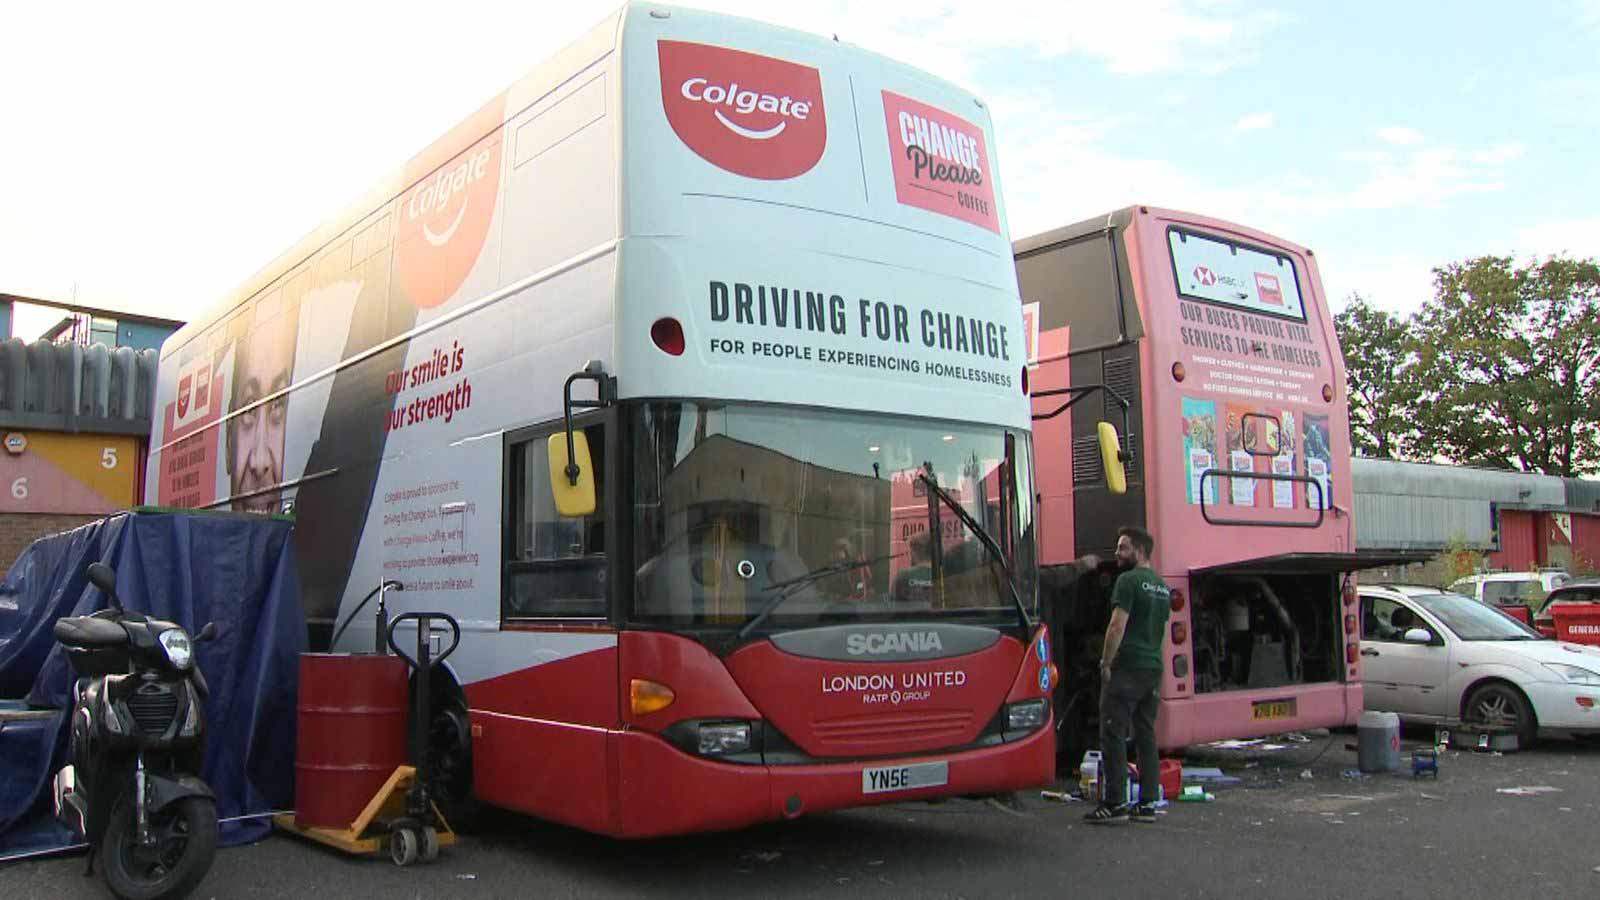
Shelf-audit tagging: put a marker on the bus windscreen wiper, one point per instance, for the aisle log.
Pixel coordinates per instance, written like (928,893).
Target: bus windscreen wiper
(791,586)
(984,538)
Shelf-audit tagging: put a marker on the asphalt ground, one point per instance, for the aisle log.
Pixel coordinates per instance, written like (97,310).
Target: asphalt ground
(1277,833)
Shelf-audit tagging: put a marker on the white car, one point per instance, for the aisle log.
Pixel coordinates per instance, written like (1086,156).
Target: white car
(1501,588)
(1433,656)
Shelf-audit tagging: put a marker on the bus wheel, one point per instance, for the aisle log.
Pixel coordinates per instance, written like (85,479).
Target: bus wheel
(450,762)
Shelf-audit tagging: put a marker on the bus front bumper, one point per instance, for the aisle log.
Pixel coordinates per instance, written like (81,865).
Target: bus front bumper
(663,790)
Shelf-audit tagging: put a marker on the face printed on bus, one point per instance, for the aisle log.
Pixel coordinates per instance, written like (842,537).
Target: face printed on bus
(262,365)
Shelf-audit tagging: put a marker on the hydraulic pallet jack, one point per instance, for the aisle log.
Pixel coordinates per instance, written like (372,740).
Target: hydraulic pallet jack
(401,817)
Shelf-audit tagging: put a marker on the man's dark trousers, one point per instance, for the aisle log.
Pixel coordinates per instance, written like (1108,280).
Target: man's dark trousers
(1128,709)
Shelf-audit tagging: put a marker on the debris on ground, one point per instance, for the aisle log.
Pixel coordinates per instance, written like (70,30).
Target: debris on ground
(1532,791)
(1305,775)
(1208,773)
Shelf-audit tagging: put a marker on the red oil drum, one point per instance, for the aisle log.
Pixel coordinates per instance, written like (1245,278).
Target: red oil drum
(352,733)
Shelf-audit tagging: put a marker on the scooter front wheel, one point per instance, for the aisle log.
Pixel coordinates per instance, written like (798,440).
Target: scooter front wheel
(184,843)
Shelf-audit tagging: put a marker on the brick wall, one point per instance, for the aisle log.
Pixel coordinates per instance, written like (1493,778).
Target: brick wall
(18,530)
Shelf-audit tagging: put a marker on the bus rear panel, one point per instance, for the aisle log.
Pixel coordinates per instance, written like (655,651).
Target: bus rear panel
(1220,340)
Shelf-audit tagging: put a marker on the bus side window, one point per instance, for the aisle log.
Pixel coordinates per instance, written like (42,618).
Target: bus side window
(555,566)
(1083,281)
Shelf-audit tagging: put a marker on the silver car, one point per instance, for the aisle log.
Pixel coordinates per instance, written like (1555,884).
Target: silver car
(1434,656)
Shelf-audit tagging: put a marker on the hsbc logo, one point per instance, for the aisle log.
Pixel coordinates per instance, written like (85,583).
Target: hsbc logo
(1205,276)
(745,113)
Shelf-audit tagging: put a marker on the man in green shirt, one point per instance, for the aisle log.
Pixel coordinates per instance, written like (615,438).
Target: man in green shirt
(1130,680)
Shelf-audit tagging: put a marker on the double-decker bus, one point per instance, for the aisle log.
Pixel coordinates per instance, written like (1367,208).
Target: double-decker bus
(648,373)
(1213,345)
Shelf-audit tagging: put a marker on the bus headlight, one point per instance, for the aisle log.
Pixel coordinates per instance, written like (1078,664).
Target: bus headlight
(1027,715)
(724,738)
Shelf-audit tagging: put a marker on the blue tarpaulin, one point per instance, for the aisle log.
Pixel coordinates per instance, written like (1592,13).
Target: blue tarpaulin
(190,568)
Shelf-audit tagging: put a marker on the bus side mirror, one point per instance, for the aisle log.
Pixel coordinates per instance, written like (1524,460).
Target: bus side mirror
(1111,459)
(574,496)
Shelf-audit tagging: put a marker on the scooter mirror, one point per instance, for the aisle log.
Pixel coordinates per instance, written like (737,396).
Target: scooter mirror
(102,577)
(209,632)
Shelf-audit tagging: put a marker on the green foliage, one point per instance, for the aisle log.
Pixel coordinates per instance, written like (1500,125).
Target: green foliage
(1500,368)
(1510,357)
(1378,348)
(1461,560)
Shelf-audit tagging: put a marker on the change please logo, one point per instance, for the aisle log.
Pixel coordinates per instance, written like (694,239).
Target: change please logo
(749,114)
(940,162)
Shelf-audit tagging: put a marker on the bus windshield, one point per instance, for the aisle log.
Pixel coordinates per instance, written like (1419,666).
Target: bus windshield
(823,516)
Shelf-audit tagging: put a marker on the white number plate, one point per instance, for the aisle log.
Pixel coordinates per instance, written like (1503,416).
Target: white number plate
(904,778)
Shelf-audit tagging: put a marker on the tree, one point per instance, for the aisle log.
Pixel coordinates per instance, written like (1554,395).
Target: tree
(1378,348)
(1508,365)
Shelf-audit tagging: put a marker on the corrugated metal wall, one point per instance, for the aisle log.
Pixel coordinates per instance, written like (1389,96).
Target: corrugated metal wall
(1585,543)
(1518,540)
(73,388)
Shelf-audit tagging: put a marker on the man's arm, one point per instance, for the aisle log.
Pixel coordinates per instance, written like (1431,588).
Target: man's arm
(1114,631)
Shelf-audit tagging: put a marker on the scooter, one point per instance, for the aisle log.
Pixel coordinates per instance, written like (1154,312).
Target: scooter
(131,787)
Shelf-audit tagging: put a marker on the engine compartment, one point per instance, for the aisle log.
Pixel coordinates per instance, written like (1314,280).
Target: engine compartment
(1255,630)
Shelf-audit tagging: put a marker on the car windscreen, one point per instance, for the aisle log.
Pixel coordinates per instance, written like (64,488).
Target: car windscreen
(1470,620)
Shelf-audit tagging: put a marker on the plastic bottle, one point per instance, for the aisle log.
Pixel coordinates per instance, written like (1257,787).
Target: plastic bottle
(1089,776)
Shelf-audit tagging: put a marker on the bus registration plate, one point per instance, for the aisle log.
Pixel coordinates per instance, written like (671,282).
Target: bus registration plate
(1272,709)
(904,778)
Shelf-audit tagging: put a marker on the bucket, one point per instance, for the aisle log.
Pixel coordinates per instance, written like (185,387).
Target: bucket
(1171,777)
(1378,744)
(352,733)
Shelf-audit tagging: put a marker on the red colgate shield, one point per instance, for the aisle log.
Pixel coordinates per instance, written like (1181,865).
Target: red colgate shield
(749,114)
(184,385)
(443,221)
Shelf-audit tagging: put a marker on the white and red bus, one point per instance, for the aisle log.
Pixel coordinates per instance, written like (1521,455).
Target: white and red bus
(1217,345)
(767,279)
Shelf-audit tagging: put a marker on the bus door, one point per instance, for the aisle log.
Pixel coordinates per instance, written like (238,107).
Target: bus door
(540,728)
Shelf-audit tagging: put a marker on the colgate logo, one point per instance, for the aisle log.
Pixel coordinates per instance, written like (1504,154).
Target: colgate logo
(443,221)
(185,385)
(1205,276)
(748,114)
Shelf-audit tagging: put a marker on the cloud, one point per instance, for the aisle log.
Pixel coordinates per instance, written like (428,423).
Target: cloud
(1399,284)
(955,39)
(1500,153)
(1254,122)
(1578,237)
(1399,137)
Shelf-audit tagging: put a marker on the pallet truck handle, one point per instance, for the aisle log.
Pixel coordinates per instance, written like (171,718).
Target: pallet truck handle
(425,626)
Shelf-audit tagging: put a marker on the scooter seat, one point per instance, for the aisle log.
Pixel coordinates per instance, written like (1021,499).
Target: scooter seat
(87,632)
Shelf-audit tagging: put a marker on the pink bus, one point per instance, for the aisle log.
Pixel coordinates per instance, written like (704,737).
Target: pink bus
(1214,346)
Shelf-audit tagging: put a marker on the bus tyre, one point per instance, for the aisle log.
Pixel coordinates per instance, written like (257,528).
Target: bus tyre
(1498,703)
(450,762)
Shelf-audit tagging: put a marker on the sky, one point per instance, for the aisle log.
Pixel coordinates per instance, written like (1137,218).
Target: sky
(157,155)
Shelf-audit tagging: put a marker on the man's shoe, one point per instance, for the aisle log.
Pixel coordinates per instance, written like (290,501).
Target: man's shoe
(1105,814)
(1144,812)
